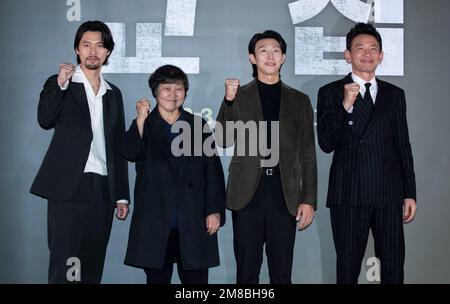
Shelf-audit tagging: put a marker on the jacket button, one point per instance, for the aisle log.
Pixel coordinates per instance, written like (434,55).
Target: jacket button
(350,123)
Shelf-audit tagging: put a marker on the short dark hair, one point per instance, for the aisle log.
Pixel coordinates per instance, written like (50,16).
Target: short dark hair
(266,35)
(95,26)
(167,74)
(362,29)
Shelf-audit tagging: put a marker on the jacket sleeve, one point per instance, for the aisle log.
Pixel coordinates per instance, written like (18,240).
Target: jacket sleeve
(308,158)
(331,118)
(133,145)
(122,187)
(50,103)
(227,112)
(215,185)
(403,149)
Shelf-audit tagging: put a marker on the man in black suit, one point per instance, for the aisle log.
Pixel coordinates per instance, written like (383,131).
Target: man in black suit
(83,175)
(372,182)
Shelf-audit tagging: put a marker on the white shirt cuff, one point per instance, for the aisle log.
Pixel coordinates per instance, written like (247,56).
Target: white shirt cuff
(65,86)
(349,110)
(122,201)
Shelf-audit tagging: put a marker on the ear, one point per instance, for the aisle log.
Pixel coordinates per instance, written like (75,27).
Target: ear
(283,58)
(252,58)
(108,53)
(348,56)
(76,51)
(381,56)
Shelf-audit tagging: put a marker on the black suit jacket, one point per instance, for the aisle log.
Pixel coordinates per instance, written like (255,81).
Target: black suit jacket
(67,112)
(192,185)
(372,163)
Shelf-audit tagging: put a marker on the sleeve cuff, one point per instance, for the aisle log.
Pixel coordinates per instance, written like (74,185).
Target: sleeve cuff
(227,102)
(123,201)
(350,111)
(65,86)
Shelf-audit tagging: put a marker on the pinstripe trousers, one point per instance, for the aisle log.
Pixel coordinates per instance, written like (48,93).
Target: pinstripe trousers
(351,225)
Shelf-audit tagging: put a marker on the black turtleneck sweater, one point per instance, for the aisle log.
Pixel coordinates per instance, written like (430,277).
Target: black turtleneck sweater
(270,95)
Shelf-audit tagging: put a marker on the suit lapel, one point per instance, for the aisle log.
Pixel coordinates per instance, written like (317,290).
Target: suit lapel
(79,93)
(108,106)
(287,118)
(109,116)
(108,101)
(285,108)
(363,113)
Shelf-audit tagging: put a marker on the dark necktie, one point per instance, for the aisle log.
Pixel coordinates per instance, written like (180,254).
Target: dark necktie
(365,108)
(368,98)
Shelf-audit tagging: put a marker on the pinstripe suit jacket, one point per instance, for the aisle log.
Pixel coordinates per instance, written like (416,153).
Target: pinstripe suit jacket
(372,163)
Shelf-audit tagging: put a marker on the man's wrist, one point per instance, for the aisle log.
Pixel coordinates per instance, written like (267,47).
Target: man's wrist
(140,120)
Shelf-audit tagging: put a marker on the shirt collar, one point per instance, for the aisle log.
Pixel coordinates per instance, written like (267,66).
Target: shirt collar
(79,77)
(362,82)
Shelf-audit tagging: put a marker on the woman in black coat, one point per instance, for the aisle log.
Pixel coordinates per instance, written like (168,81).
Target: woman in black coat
(179,200)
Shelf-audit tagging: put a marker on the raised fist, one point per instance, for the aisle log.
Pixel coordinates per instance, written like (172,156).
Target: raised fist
(66,71)
(142,109)
(351,91)
(231,86)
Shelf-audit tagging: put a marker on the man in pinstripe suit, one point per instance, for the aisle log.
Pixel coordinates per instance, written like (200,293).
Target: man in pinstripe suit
(372,182)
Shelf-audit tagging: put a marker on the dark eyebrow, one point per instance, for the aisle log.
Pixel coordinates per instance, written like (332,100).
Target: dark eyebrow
(370,45)
(89,41)
(275,46)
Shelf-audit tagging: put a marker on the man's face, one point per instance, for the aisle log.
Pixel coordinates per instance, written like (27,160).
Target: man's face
(268,57)
(91,51)
(170,96)
(365,54)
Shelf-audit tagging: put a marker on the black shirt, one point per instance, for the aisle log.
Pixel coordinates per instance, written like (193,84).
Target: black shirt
(270,95)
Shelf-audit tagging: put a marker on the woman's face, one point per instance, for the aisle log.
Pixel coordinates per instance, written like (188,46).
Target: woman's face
(170,96)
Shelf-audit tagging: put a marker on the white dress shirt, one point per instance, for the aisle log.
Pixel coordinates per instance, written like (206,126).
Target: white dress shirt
(96,162)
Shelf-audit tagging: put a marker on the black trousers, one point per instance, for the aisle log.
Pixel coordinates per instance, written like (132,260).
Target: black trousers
(164,275)
(265,220)
(351,225)
(80,228)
